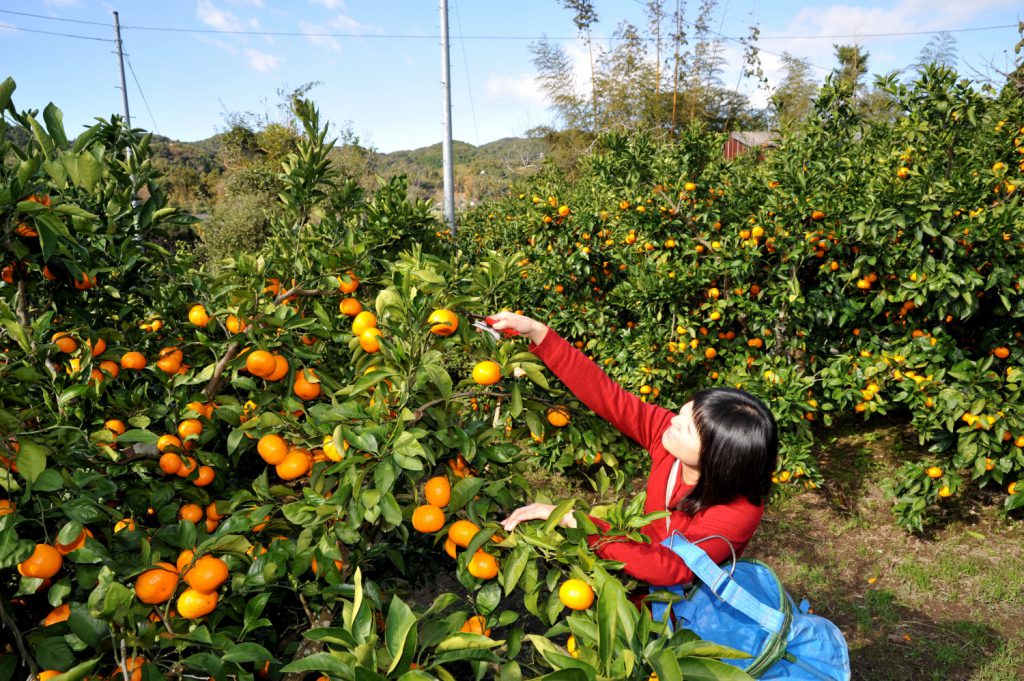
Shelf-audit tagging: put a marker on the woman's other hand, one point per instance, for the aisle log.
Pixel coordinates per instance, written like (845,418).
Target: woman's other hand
(535,511)
(529,328)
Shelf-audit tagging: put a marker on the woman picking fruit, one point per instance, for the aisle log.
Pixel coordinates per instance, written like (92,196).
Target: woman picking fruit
(711,462)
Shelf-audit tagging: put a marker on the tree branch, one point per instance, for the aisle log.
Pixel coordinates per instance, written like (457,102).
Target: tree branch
(9,623)
(214,385)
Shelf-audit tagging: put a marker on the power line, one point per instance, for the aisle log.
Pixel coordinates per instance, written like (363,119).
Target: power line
(63,35)
(396,36)
(465,64)
(142,94)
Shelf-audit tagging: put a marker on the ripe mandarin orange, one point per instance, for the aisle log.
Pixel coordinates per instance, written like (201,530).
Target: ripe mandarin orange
(57,615)
(156,585)
(303,388)
(65,342)
(44,562)
(170,463)
(75,544)
(347,283)
(443,322)
(169,360)
(260,363)
(206,574)
(476,625)
(188,465)
(133,360)
(204,476)
(197,316)
(576,594)
(295,464)
(280,369)
(427,519)
(462,532)
(192,513)
(115,426)
(169,443)
(363,321)
(438,491)
(368,340)
(558,416)
(350,307)
(272,448)
(235,325)
(110,367)
(487,373)
(483,565)
(193,604)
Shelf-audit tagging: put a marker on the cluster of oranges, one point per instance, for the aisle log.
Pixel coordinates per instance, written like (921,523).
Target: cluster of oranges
(203,575)
(364,327)
(172,447)
(290,462)
(429,518)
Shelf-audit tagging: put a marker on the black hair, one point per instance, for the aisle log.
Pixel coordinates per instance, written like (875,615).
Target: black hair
(739,446)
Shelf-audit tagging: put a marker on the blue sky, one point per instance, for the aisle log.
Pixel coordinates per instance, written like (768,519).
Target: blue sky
(380,71)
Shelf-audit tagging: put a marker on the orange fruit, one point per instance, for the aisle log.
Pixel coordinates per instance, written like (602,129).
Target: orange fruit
(934,472)
(197,316)
(206,574)
(280,369)
(1000,352)
(192,513)
(350,307)
(133,360)
(438,491)
(817,215)
(304,389)
(58,614)
(124,524)
(295,464)
(65,342)
(48,674)
(190,427)
(170,462)
(462,532)
(451,548)
(945,491)
(460,468)
(85,282)
(235,325)
(331,450)
(115,426)
(427,519)
(368,340)
(110,367)
(169,443)
(192,604)
(44,562)
(558,416)
(576,594)
(204,476)
(476,625)
(184,559)
(7,507)
(157,585)
(363,321)
(211,512)
(272,448)
(188,465)
(75,544)
(260,363)
(348,283)
(483,565)
(487,373)
(169,360)
(443,322)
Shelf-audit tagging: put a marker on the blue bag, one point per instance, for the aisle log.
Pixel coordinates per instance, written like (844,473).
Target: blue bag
(748,609)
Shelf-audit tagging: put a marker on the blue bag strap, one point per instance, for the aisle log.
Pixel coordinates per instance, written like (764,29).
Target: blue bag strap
(723,585)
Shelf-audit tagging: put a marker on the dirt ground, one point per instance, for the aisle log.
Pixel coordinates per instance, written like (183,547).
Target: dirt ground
(947,605)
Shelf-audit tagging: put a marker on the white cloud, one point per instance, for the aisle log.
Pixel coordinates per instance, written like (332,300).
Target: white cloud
(209,40)
(217,18)
(346,24)
(521,88)
(247,3)
(332,44)
(262,61)
(331,5)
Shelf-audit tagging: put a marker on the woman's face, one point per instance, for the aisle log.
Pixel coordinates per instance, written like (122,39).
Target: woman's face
(681,438)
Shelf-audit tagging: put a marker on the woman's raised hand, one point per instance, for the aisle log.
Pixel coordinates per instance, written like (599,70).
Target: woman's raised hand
(535,511)
(528,328)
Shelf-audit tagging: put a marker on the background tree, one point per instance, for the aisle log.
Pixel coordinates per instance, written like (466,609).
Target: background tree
(585,16)
(939,50)
(853,64)
(793,100)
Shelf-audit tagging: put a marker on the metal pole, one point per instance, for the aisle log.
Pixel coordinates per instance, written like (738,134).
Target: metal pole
(120,62)
(446,122)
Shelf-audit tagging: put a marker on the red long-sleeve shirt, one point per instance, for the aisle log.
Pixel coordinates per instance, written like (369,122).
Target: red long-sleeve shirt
(644,424)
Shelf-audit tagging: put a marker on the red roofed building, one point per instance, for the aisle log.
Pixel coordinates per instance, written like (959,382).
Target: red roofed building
(742,142)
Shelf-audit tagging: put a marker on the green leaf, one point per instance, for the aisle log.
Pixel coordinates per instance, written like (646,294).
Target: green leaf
(31,460)
(6,90)
(206,663)
(91,630)
(488,598)
(247,652)
(463,641)
(89,170)
(556,515)
(399,632)
(54,124)
(320,662)
(701,669)
(463,492)
(513,568)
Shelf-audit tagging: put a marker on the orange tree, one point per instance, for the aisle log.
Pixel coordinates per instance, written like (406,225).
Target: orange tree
(860,268)
(235,468)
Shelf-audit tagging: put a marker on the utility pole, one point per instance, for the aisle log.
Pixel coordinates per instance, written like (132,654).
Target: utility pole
(120,62)
(446,122)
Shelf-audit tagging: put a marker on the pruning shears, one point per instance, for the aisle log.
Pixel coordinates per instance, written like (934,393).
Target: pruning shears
(482,323)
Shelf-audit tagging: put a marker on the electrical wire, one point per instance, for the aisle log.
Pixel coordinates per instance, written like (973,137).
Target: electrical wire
(465,63)
(300,34)
(142,94)
(63,35)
